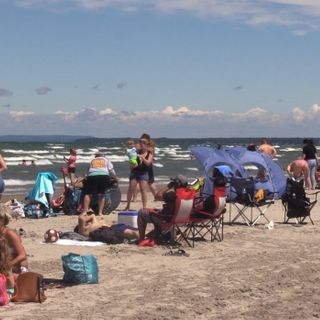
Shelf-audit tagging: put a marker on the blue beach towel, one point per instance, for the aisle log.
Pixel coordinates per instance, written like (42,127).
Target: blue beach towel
(44,186)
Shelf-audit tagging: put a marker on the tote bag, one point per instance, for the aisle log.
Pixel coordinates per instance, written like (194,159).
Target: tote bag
(80,269)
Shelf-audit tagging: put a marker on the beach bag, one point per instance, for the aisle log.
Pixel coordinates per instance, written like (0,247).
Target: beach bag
(4,298)
(29,288)
(33,211)
(80,269)
(69,206)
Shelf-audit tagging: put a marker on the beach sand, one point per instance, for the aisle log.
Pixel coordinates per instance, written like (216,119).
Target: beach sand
(255,273)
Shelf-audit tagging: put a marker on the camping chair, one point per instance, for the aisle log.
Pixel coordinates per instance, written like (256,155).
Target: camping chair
(243,196)
(178,222)
(204,223)
(296,203)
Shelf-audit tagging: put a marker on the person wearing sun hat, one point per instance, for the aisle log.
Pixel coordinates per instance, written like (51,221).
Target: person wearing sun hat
(168,196)
(18,260)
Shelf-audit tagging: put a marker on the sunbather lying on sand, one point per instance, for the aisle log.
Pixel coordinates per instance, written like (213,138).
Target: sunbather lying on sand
(98,230)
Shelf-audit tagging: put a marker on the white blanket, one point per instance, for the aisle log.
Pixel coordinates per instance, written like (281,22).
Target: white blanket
(68,242)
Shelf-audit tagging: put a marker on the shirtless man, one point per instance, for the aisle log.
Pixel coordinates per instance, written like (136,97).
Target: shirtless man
(267,148)
(299,169)
(98,230)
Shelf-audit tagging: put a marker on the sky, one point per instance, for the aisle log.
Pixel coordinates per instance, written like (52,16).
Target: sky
(172,68)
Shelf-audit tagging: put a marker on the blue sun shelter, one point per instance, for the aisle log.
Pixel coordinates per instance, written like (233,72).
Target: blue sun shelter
(268,175)
(213,158)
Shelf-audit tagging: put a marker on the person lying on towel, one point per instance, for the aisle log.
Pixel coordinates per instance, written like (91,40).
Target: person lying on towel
(98,230)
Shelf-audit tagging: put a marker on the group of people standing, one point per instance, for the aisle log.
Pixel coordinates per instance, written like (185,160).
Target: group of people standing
(140,156)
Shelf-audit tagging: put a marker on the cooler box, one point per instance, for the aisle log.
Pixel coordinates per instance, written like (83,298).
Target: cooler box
(128,217)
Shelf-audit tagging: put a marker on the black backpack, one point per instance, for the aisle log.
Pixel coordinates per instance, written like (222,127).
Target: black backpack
(69,206)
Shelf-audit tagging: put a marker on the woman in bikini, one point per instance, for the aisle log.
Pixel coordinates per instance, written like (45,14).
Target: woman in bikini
(18,256)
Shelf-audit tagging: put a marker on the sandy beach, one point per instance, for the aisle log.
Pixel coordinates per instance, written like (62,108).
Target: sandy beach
(255,273)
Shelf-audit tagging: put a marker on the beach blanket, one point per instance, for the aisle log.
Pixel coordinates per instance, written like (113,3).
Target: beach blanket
(68,242)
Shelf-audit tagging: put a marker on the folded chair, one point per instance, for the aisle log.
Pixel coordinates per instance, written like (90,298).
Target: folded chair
(296,203)
(178,222)
(208,219)
(243,197)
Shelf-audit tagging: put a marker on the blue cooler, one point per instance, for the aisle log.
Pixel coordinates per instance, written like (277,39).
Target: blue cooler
(129,218)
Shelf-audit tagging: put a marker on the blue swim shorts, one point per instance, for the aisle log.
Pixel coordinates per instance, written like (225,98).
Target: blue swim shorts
(139,176)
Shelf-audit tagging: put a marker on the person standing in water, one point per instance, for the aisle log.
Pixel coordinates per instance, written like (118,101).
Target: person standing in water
(3,167)
(71,161)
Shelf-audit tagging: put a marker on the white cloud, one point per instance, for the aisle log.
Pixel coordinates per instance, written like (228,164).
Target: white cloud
(298,115)
(20,115)
(170,121)
(315,109)
(301,16)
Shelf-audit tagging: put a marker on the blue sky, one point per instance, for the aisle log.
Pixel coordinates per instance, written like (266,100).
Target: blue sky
(176,68)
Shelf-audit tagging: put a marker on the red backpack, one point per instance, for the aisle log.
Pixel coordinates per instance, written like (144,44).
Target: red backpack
(4,298)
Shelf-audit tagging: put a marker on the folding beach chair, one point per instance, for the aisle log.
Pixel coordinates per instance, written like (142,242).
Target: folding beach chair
(243,196)
(177,225)
(203,222)
(296,203)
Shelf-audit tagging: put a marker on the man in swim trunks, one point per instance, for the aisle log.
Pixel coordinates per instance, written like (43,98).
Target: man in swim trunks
(267,148)
(299,169)
(98,230)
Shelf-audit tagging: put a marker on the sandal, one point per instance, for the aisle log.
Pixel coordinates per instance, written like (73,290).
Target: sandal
(179,252)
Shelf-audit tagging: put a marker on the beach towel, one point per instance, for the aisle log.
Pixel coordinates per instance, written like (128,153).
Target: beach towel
(68,242)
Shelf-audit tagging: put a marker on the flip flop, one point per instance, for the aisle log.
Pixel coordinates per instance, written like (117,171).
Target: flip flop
(178,253)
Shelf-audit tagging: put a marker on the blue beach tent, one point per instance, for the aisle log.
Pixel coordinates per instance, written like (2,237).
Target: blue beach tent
(210,158)
(238,161)
(268,174)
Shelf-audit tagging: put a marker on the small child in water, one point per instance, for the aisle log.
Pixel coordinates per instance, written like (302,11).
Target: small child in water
(132,153)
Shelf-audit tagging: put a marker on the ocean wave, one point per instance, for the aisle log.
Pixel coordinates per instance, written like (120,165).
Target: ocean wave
(56,146)
(37,163)
(14,151)
(158,165)
(290,149)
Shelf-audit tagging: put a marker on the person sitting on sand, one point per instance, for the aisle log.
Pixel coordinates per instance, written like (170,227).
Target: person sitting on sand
(99,230)
(267,148)
(145,216)
(18,256)
(299,169)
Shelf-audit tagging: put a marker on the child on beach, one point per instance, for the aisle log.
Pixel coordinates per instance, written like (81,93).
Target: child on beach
(71,161)
(6,275)
(132,153)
